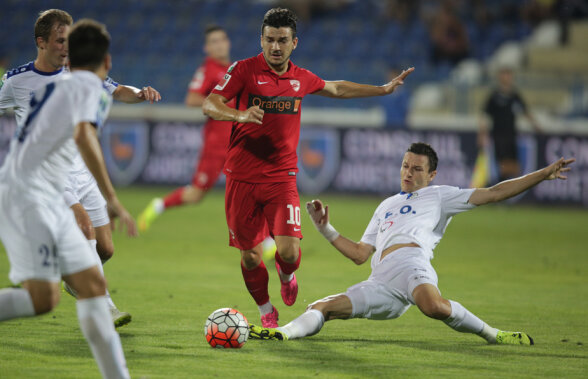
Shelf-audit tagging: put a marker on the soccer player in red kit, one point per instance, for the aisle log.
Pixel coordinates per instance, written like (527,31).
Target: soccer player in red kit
(216,133)
(261,165)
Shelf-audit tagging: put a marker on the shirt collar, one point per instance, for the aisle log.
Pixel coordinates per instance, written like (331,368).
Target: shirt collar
(266,67)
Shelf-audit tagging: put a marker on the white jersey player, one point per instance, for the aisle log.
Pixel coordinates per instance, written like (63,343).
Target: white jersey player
(42,240)
(81,191)
(401,235)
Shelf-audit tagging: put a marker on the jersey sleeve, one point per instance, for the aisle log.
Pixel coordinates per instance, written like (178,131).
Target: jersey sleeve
(371,232)
(454,200)
(201,82)
(518,99)
(7,99)
(232,83)
(110,85)
(315,83)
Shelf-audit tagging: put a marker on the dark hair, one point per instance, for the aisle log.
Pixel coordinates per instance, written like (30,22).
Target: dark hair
(47,19)
(278,18)
(213,28)
(88,44)
(422,148)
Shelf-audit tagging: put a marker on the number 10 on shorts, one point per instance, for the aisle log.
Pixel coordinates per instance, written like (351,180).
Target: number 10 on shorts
(294,215)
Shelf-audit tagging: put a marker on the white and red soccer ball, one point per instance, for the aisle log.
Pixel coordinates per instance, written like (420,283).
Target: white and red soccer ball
(226,328)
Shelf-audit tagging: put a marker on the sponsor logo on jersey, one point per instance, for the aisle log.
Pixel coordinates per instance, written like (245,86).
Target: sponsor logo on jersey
(223,82)
(275,104)
(318,159)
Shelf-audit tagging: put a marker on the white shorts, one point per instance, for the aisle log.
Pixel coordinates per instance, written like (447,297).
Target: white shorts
(387,293)
(42,241)
(82,188)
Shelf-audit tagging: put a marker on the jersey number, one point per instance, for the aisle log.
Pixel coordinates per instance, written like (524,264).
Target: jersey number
(294,215)
(35,107)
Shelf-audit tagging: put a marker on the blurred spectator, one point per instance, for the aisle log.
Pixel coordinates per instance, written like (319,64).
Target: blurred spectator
(502,107)
(308,9)
(448,35)
(534,12)
(567,10)
(396,105)
(401,11)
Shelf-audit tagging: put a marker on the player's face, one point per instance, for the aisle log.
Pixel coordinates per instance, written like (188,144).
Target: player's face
(414,173)
(217,45)
(277,45)
(55,49)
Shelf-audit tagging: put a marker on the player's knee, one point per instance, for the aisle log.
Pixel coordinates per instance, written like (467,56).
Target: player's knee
(436,309)
(46,300)
(250,259)
(289,252)
(105,249)
(94,285)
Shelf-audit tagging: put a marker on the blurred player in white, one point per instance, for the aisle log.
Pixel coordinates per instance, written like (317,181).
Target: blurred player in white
(401,236)
(82,194)
(40,234)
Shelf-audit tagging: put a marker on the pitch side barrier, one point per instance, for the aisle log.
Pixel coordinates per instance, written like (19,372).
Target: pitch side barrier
(354,156)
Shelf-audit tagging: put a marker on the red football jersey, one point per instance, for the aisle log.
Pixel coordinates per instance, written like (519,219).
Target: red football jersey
(266,153)
(207,76)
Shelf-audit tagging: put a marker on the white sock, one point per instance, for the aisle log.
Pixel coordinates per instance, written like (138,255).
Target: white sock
(159,206)
(15,302)
(104,341)
(285,277)
(99,263)
(463,320)
(265,308)
(307,324)
(489,333)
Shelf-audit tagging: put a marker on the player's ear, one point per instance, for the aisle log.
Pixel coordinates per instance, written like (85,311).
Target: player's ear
(40,42)
(432,175)
(294,43)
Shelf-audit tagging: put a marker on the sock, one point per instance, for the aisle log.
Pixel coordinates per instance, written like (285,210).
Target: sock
(173,199)
(100,264)
(256,281)
(265,308)
(463,320)
(489,333)
(287,269)
(104,341)
(15,302)
(307,324)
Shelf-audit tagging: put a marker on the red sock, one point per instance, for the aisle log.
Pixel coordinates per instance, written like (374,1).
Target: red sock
(256,281)
(174,199)
(288,268)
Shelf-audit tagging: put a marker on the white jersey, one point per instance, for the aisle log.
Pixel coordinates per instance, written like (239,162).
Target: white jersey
(19,84)
(419,217)
(42,153)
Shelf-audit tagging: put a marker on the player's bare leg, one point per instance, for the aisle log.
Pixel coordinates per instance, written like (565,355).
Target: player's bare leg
(103,236)
(34,298)
(95,322)
(256,280)
(310,322)
(288,256)
(454,315)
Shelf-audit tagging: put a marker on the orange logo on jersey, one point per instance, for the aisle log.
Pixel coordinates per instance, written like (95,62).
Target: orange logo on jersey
(275,104)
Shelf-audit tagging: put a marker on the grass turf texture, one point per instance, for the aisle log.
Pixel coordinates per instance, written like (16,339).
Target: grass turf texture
(517,268)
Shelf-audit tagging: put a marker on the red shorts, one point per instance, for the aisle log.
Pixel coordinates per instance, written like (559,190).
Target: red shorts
(214,152)
(255,210)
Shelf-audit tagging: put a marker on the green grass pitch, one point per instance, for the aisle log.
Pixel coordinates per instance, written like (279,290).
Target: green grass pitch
(516,267)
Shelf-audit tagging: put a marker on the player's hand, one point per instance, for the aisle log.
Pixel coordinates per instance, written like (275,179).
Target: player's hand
(253,115)
(318,214)
(116,210)
(555,170)
(149,94)
(397,81)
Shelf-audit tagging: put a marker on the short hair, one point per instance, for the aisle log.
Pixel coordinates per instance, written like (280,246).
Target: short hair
(47,19)
(213,28)
(88,44)
(422,148)
(278,18)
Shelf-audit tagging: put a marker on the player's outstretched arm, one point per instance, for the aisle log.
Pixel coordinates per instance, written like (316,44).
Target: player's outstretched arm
(358,252)
(344,89)
(215,107)
(132,95)
(90,150)
(513,187)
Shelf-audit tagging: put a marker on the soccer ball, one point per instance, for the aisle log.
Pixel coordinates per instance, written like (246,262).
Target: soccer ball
(226,328)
